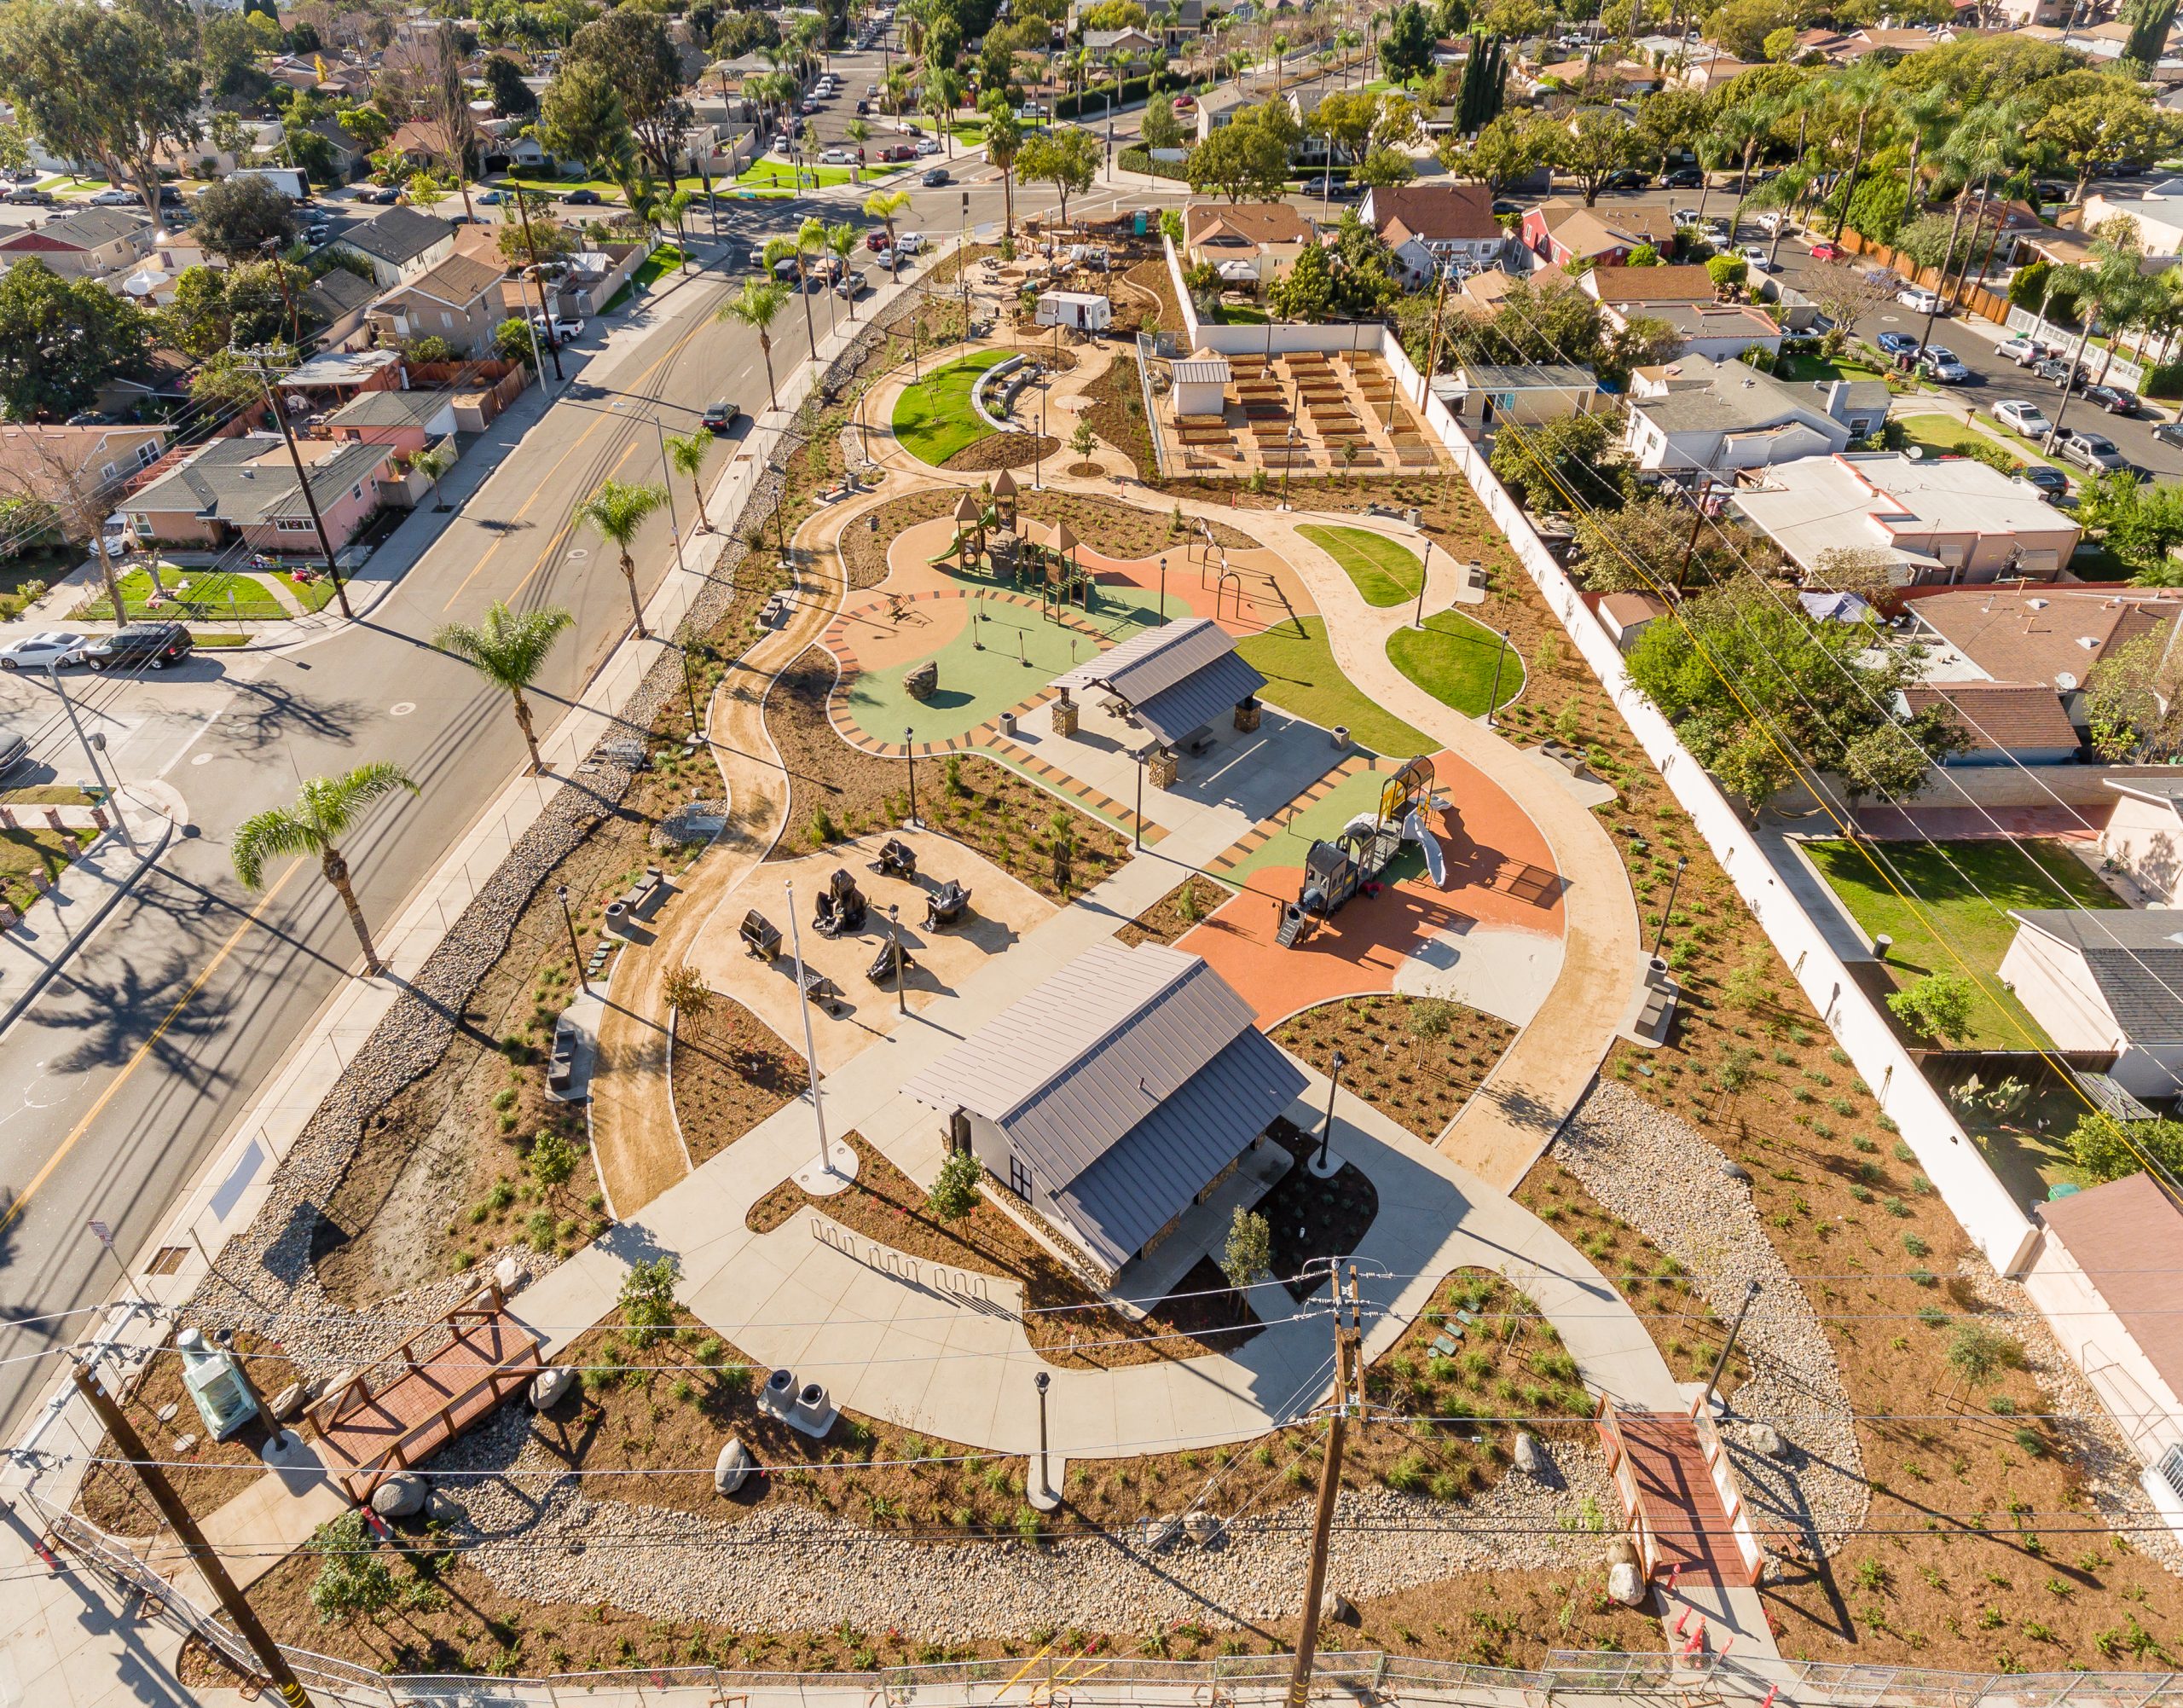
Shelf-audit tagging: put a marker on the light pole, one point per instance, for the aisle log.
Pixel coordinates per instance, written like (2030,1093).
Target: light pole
(1750,1293)
(827,1173)
(1493,697)
(1320,1165)
(1136,830)
(909,758)
(90,754)
(894,931)
(1661,935)
(1042,1381)
(1163,591)
(1424,575)
(689,690)
(574,949)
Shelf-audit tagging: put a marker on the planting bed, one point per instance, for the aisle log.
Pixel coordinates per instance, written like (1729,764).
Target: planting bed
(731,1072)
(1173,914)
(1416,1059)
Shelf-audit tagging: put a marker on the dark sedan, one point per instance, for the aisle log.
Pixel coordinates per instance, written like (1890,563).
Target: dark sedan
(2113,400)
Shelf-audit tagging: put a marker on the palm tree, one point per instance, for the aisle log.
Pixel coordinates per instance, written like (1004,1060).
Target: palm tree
(687,452)
(757,308)
(507,648)
(327,809)
(434,463)
(883,205)
(943,94)
(810,239)
(618,509)
(1984,146)
(859,134)
(1929,115)
(1861,88)
(841,243)
(1004,142)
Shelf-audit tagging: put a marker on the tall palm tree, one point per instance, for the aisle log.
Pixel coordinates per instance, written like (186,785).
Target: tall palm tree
(1004,142)
(686,454)
(1861,89)
(810,240)
(840,244)
(859,134)
(507,648)
(325,810)
(781,249)
(883,205)
(757,308)
(1986,144)
(1929,116)
(617,510)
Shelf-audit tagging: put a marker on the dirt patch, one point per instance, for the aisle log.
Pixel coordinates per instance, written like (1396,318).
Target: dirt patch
(864,546)
(1115,528)
(1002,450)
(1117,412)
(1153,277)
(1064,1319)
(1173,914)
(1416,1059)
(731,1072)
(205,1473)
(837,791)
(1084,470)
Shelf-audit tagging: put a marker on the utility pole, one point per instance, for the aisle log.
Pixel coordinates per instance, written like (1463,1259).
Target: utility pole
(552,343)
(302,479)
(1346,1338)
(201,1552)
(90,754)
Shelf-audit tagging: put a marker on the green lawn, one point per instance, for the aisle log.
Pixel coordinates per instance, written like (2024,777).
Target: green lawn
(1300,677)
(312,595)
(1945,435)
(1240,315)
(1964,891)
(204,595)
(555,187)
(219,637)
(778,175)
(656,266)
(1453,658)
(934,419)
(1384,572)
(1803,368)
(23,851)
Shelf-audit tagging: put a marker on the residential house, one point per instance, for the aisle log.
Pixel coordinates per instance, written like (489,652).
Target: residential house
(1480,394)
(1641,290)
(2106,983)
(1941,520)
(1627,615)
(88,243)
(349,157)
(459,300)
(1434,226)
(2144,834)
(1559,231)
(2101,1271)
(398,244)
(1706,73)
(2015,14)
(2008,723)
(1847,47)
(1106,46)
(1726,416)
(405,422)
(337,300)
(2157,209)
(246,489)
(81,472)
(1219,108)
(1267,236)
(1128,1091)
(1722,331)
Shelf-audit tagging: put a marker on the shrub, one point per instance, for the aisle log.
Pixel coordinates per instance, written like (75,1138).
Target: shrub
(2107,1149)
(1248,1257)
(353,1580)
(647,1298)
(954,1194)
(1433,1017)
(1977,1352)
(686,991)
(552,1158)
(1936,1007)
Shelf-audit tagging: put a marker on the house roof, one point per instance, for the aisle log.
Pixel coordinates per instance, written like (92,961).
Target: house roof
(1078,1074)
(399,234)
(249,481)
(1523,376)
(2127,1237)
(1174,677)
(458,282)
(331,129)
(1862,498)
(1733,397)
(1712,320)
(38,457)
(2039,636)
(391,409)
(1595,230)
(338,292)
(90,228)
(1672,284)
(2135,956)
(1435,213)
(1246,224)
(1628,609)
(2000,717)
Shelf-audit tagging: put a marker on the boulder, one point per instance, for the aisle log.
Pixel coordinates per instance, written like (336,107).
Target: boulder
(1765,1438)
(1622,1551)
(1626,1584)
(401,1495)
(289,1402)
(1530,1457)
(1734,1170)
(1201,1527)
(733,1468)
(1336,1608)
(506,1272)
(922,683)
(549,1387)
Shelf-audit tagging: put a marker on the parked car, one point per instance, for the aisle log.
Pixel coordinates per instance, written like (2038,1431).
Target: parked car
(2023,351)
(1897,344)
(114,199)
(386,196)
(935,177)
(2059,370)
(720,417)
(1755,257)
(146,645)
(838,157)
(876,238)
(927,146)
(1939,364)
(1684,178)
(491,199)
(1505,209)
(583,199)
(1772,221)
(852,283)
(898,151)
(862,108)
(35,652)
(1626,178)
(907,127)
(26,195)
(2112,398)
(1920,301)
(2050,482)
(871,90)
(14,749)
(2094,451)
(911,243)
(2169,433)
(1827,251)
(566,326)
(2024,415)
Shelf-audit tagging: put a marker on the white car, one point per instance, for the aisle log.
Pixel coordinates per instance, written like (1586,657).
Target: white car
(1920,301)
(2024,415)
(838,157)
(1772,221)
(568,326)
(116,199)
(1755,256)
(927,146)
(2023,351)
(36,652)
(1685,216)
(911,243)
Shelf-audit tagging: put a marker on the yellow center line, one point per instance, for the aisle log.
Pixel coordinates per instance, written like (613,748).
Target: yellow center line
(546,483)
(566,528)
(146,1048)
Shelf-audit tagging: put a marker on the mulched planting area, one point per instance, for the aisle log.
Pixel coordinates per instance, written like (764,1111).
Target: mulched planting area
(837,791)
(1117,412)
(1177,912)
(1313,1219)
(1107,526)
(1416,1059)
(1066,1322)
(206,1473)
(1003,450)
(731,1072)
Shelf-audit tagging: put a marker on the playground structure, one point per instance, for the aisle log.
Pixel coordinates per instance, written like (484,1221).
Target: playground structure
(991,541)
(1359,856)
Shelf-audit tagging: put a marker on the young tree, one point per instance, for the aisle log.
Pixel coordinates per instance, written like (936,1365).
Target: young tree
(1937,1006)
(353,1580)
(647,1299)
(325,810)
(954,1192)
(758,306)
(1068,160)
(2107,1151)
(1160,128)
(1511,147)
(618,509)
(238,218)
(1247,1259)
(435,462)
(686,991)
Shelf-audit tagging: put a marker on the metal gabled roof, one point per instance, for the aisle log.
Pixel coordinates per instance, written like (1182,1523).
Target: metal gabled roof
(1149,662)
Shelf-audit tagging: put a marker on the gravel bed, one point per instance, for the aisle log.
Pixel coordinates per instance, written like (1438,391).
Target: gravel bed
(1659,1175)
(791,1568)
(2091,1442)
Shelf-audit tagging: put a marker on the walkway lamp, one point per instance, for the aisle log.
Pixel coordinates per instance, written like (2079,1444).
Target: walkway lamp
(1320,1165)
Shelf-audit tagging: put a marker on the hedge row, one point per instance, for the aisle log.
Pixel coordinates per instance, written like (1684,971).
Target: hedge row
(1141,160)
(1092,100)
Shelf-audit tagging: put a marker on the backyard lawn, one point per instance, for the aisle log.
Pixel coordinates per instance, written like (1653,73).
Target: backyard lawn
(1385,571)
(1803,368)
(1300,677)
(934,419)
(1964,891)
(656,266)
(1454,658)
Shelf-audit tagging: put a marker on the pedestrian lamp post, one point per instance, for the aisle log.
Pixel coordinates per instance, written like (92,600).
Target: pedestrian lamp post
(690,692)
(909,756)
(1424,575)
(1138,829)
(1750,1293)
(1321,1165)
(1044,1380)
(1163,592)
(1676,884)
(569,919)
(1493,697)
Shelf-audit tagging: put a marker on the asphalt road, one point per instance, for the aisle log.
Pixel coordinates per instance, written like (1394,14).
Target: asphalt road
(135,1064)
